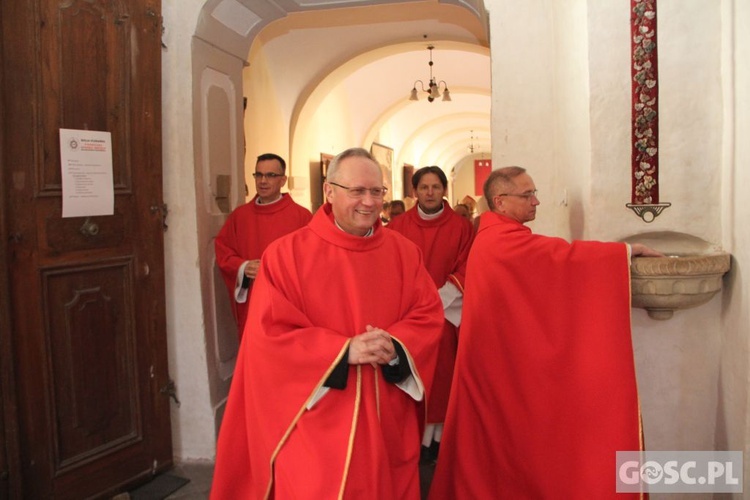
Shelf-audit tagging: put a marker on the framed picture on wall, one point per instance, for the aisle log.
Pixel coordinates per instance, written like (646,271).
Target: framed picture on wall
(384,156)
(325,160)
(408,174)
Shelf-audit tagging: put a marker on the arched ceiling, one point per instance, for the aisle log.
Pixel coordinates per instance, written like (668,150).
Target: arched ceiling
(423,132)
(372,55)
(232,25)
(420,132)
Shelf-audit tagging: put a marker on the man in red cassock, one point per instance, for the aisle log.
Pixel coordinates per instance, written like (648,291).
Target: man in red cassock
(340,346)
(544,392)
(445,239)
(251,227)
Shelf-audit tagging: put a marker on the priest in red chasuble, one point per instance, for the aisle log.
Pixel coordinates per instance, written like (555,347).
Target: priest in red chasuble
(251,227)
(445,239)
(544,392)
(340,348)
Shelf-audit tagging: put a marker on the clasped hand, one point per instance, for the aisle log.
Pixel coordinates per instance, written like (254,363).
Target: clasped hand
(373,347)
(251,269)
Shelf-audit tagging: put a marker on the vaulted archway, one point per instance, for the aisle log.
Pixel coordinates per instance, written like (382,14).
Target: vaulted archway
(291,63)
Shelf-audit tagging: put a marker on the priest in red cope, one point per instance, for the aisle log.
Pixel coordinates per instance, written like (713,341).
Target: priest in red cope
(544,392)
(445,239)
(339,348)
(251,227)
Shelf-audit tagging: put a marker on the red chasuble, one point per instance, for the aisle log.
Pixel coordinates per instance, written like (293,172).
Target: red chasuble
(445,242)
(318,287)
(544,393)
(246,234)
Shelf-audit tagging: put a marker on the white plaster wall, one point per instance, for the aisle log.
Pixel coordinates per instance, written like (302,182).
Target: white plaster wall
(690,114)
(732,430)
(324,126)
(569,196)
(329,128)
(192,422)
(677,365)
(266,131)
(386,135)
(541,118)
(610,100)
(677,361)
(523,94)
(463,185)
(690,120)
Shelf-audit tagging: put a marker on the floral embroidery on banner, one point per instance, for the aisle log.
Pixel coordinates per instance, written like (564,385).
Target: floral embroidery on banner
(645,132)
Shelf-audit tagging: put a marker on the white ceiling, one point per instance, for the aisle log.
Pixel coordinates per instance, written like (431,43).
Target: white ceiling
(373,53)
(438,132)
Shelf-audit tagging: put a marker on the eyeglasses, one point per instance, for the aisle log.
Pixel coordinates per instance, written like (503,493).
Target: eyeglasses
(527,195)
(270,175)
(359,192)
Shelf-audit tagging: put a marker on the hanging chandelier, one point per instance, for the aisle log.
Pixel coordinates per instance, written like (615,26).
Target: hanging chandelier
(471,143)
(433,88)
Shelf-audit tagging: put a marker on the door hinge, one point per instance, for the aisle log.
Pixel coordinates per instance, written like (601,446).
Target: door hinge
(171,390)
(164,211)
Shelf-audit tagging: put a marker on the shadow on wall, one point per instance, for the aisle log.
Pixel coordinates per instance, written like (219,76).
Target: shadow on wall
(576,219)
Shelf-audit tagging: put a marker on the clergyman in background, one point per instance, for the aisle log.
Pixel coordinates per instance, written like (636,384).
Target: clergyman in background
(251,227)
(445,239)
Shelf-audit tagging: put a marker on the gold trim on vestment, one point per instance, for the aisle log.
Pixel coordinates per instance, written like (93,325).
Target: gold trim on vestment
(414,371)
(377,391)
(352,433)
(301,411)
(641,443)
(456,282)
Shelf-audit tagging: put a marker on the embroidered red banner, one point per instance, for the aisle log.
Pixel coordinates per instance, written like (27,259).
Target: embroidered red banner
(482,169)
(645,86)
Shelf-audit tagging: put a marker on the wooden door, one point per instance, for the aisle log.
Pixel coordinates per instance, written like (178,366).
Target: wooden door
(85,295)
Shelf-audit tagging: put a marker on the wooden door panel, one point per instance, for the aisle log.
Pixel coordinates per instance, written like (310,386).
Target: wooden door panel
(77,35)
(91,339)
(57,235)
(87,293)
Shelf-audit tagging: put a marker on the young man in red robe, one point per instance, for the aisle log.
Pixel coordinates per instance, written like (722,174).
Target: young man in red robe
(544,392)
(340,346)
(251,228)
(445,239)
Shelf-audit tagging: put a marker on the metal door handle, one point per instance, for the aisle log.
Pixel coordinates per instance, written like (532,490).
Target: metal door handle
(89,228)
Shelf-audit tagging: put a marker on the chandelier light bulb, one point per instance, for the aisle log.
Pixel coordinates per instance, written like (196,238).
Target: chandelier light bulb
(433,87)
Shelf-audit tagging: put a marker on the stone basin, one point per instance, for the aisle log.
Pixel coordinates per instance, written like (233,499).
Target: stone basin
(690,274)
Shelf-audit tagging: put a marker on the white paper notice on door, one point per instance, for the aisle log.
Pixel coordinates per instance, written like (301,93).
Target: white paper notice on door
(87,182)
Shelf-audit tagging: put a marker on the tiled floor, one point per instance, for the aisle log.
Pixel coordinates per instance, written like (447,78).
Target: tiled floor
(201,473)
